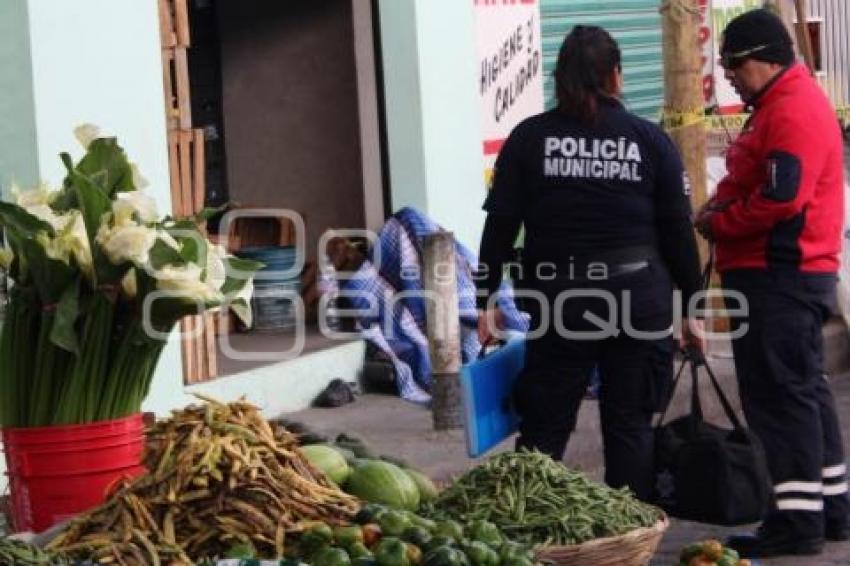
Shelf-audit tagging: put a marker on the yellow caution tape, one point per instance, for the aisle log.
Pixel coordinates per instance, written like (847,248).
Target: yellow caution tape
(726,121)
(678,119)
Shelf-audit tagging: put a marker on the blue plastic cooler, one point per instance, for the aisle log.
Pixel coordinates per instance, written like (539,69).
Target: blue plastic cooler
(487,385)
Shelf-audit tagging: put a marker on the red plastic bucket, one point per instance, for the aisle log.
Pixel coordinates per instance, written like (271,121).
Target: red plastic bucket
(58,472)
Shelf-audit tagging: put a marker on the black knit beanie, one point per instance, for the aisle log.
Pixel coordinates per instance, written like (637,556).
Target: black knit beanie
(757,28)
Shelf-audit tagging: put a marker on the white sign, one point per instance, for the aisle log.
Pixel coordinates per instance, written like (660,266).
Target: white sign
(510,68)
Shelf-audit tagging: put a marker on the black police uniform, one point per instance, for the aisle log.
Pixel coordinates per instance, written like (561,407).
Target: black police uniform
(605,208)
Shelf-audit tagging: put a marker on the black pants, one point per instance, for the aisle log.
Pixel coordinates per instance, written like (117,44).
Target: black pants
(635,372)
(786,397)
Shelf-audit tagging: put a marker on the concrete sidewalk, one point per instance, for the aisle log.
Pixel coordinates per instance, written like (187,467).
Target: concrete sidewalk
(397,428)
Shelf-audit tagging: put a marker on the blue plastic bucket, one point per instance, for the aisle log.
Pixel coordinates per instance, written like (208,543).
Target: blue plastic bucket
(275,312)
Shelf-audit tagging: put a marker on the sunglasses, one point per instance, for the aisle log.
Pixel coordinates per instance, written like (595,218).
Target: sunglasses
(735,60)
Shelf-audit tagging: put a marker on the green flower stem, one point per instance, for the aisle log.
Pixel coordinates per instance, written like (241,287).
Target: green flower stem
(131,371)
(51,365)
(97,383)
(124,366)
(8,366)
(118,369)
(22,382)
(85,385)
(25,338)
(144,384)
(7,378)
(19,333)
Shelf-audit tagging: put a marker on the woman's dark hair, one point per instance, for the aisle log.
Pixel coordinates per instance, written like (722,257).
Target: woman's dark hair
(587,58)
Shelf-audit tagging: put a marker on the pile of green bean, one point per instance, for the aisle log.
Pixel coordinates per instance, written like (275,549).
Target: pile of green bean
(535,500)
(18,553)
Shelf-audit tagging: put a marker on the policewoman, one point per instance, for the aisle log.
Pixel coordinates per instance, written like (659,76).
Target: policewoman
(604,201)
(777,220)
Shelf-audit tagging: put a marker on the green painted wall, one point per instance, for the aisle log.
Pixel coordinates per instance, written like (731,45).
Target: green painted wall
(18,154)
(635,24)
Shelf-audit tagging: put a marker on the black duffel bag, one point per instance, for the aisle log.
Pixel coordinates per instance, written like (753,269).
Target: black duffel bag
(707,473)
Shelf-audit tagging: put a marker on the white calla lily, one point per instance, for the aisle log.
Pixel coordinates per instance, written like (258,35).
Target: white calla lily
(216,272)
(186,280)
(40,195)
(76,239)
(128,242)
(94,227)
(239,300)
(86,133)
(54,247)
(70,239)
(139,180)
(168,239)
(241,303)
(45,213)
(134,202)
(130,285)
(7,256)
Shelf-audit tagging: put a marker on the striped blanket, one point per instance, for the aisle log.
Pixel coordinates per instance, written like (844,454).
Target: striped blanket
(389,286)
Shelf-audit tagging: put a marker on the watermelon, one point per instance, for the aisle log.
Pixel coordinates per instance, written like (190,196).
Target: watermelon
(427,489)
(327,460)
(376,481)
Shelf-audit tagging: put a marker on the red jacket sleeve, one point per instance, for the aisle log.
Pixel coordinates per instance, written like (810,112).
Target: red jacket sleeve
(793,164)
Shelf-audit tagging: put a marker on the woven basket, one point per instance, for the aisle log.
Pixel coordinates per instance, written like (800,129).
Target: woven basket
(635,548)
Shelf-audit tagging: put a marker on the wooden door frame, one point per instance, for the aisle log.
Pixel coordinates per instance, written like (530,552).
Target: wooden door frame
(370,113)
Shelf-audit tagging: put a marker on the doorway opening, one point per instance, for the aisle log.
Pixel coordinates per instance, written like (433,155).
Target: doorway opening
(287,97)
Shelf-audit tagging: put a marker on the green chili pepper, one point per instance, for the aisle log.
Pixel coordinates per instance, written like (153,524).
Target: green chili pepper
(535,500)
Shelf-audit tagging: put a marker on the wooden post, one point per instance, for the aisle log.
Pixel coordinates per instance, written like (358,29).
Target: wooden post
(439,278)
(181,23)
(166,25)
(786,10)
(181,85)
(684,103)
(804,40)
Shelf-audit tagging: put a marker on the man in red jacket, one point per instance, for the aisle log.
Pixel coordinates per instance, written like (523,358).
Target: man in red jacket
(777,223)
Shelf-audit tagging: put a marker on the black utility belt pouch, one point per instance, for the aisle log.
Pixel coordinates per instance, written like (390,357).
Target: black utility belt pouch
(704,472)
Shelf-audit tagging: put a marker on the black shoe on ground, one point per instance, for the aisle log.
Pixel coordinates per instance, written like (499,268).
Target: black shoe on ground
(765,544)
(837,532)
